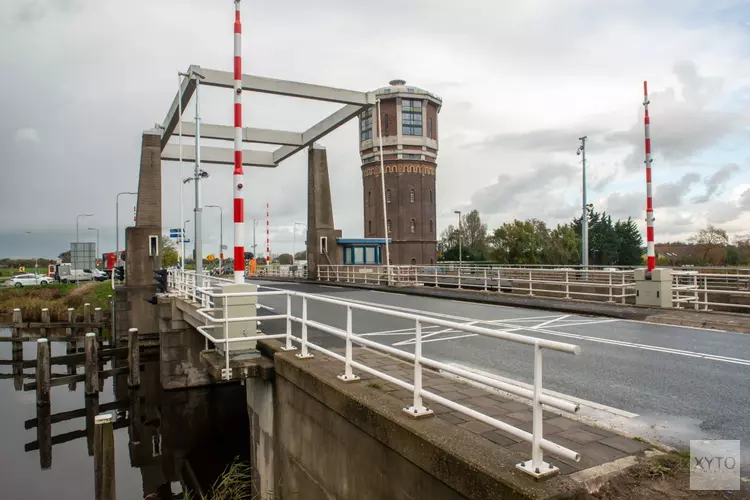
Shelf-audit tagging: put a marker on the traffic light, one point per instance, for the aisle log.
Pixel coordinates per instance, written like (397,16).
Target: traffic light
(160,277)
(120,273)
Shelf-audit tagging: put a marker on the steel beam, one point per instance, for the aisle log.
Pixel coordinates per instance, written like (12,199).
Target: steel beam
(318,130)
(218,156)
(258,135)
(170,122)
(265,85)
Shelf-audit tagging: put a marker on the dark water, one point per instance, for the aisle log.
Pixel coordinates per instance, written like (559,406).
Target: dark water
(167,441)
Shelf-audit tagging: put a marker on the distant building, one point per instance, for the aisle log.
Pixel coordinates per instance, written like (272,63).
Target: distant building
(409,118)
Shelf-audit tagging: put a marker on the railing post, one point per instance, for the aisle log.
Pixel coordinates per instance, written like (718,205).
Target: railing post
(498,280)
(417,409)
(226,373)
(42,372)
(705,293)
(485,280)
(567,286)
(531,289)
(622,289)
(348,376)
(304,354)
(695,291)
(610,286)
(459,277)
(288,346)
(436,277)
(537,467)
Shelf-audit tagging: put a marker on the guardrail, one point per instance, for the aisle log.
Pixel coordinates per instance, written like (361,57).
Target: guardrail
(282,271)
(203,291)
(611,285)
(705,291)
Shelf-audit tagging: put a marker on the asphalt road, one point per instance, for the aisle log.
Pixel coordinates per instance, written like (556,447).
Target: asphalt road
(665,383)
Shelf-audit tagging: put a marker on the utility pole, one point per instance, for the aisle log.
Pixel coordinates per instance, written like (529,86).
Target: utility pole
(221,236)
(460,236)
(255,224)
(197,175)
(585,213)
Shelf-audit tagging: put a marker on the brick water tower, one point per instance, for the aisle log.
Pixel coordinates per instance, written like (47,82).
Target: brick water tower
(408,116)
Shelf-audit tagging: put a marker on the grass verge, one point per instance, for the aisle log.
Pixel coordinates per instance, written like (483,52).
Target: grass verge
(57,298)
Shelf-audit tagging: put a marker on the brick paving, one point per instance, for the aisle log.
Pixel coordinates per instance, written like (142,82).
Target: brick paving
(595,446)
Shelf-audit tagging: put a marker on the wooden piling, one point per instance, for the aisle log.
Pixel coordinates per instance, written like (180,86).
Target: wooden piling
(92,410)
(87,313)
(71,315)
(91,364)
(134,416)
(104,458)
(17,316)
(17,358)
(98,315)
(44,435)
(42,372)
(46,316)
(134,358)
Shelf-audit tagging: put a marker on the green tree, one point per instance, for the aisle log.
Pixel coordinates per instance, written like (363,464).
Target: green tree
(300,255)
(473,236)
(169,255)
(563,247)
(629,243)
(285,258)
(518,242)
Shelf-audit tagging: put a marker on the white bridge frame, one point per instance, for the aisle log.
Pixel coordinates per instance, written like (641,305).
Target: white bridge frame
(289,142)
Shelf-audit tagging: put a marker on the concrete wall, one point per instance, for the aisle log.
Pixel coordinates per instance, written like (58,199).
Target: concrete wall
(180,346)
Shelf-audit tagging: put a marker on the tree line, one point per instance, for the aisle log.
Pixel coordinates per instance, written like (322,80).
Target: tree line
(533,242)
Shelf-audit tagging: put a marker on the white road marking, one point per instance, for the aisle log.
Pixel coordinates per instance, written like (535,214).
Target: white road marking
(550,321)
(331,286)
(582,402)
(402,331)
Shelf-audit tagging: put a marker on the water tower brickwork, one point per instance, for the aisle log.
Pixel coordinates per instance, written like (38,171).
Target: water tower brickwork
(409,120)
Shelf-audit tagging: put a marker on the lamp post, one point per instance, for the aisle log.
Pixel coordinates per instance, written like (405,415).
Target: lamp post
(460,243)
(585,212)
(184,231)
(221,235)
(96,250)
(255,224)
(117,225)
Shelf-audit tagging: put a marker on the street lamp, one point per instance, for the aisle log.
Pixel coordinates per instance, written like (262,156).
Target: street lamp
(184,232)
(96,251)
(460,243)
(585,215)
(294,245)
(221,235)
(117,225)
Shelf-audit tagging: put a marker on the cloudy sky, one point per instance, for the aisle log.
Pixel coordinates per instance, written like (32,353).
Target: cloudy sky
(521,81)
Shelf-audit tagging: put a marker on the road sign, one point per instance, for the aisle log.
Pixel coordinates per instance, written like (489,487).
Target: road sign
(83,255)
(224,247)
(210,257)
(21,269)
(175,230)
(174,235)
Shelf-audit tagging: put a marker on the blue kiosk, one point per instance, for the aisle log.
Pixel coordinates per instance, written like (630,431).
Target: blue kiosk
(362,251)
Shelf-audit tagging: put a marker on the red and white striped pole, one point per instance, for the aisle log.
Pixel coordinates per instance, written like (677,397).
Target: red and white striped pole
(649,199)
(238,176)
(268,235)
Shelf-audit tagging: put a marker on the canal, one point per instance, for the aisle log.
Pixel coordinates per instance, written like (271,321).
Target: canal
(165,441)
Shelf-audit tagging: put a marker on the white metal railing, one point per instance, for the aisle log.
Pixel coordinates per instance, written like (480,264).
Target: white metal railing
(611,284)
(711,290)
(290,271)
(205,295)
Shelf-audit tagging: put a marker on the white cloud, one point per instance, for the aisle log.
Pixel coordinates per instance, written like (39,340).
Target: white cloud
(26,135)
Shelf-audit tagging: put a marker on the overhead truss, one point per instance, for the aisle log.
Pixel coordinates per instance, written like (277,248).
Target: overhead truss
(290,142)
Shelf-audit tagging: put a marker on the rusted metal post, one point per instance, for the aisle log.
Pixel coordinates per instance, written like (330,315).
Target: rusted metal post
(104,457)
(42,372)
(91,363)
(134,358)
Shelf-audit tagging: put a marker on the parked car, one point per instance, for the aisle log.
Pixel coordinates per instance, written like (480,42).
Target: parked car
(28,280)
(99,275)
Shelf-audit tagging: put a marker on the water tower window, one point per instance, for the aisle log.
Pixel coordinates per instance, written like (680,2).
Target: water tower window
(413,226)
(365,125)
(387,133)
(387,195)
(411,110)
(389,226)
(411,196)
